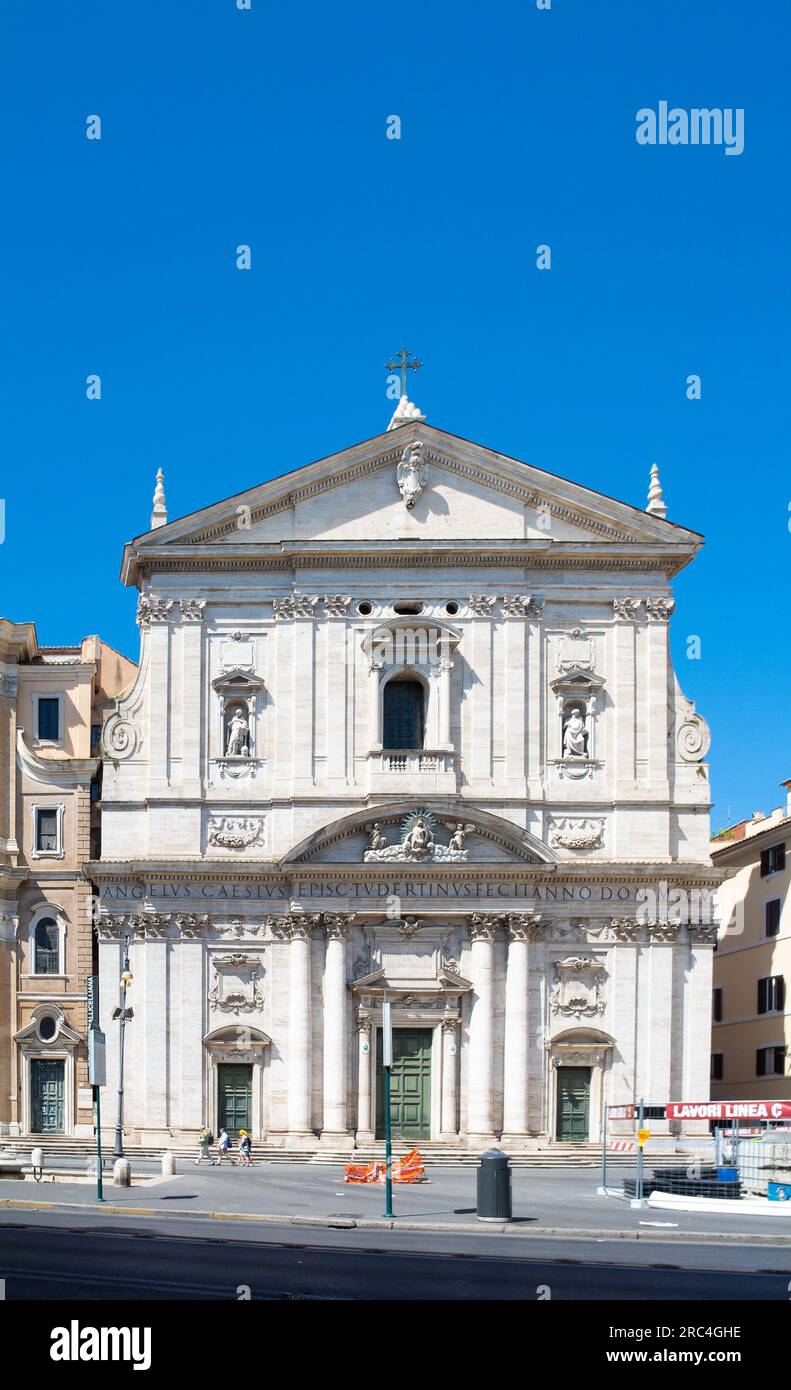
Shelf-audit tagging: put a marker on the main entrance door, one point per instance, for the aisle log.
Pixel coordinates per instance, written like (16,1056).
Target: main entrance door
(410,1084)
(235,1097)
(574,1085)
(47,1091)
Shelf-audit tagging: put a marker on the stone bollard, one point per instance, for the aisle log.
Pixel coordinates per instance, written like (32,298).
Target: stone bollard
(122,1173)
(37,1160)
(168,1165)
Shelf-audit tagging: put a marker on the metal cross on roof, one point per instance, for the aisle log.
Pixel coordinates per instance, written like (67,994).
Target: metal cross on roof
(402,364)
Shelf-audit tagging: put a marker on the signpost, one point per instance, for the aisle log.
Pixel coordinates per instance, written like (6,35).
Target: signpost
(387,1062)
(97,1071)
(642,1135)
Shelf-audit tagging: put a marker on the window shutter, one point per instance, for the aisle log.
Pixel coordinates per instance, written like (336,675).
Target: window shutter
(772,916)
(760,1062)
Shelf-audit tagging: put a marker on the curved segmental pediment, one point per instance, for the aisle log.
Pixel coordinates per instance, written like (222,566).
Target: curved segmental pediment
(429,832)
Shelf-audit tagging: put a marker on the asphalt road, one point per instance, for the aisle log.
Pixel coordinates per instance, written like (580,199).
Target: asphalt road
(51,1261)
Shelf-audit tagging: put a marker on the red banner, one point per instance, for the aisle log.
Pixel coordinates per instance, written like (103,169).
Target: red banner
(729,1110)
(622,1112)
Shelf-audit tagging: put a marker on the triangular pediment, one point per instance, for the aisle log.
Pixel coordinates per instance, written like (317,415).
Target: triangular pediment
(468,494)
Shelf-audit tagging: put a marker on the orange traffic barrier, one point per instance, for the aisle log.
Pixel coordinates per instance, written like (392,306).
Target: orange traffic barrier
(410,1168)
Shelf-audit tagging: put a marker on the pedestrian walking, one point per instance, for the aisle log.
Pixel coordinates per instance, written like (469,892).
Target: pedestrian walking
(205,1141)
(245,1149)
(223,1146)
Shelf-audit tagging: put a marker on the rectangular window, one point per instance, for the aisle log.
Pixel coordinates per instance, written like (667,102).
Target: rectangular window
(773,860)
(771,994)
(47,831)
(716,1066)
(772,916)
(46,947)
(49,717)
(770,1061)
(96,733)
(716,1005)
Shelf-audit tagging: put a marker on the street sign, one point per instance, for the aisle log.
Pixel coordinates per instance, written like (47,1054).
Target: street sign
(729,1110)
(97,1065)
(93,1001)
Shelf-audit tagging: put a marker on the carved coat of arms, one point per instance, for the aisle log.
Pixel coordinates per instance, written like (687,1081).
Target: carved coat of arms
(579,987)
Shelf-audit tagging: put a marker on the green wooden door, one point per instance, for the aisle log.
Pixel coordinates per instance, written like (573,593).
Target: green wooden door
(574,1085)
(234,1097)
(410,1084)
(47,1090)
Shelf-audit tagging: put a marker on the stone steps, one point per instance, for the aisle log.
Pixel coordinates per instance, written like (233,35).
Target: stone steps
(587,1156)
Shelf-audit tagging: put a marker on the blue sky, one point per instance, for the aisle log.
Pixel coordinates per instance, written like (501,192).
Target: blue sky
(267,127)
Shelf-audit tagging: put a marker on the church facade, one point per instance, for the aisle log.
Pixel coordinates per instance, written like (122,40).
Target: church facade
(406,727)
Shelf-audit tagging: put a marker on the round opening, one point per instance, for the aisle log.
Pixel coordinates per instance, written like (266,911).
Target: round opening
(365,608)
(405,606)
(452,607)
(46,1028)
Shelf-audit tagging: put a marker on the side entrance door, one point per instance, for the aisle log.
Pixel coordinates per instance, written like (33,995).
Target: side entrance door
(47,1091)
(574,1085)
(410,1084)
(235,1097)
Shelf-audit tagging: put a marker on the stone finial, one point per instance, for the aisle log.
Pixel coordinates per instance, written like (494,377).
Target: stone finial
(159,516)
(404,413)
(656,502)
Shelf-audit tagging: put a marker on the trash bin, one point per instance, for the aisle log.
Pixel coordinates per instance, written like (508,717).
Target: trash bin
(727,1174)
(494,1187)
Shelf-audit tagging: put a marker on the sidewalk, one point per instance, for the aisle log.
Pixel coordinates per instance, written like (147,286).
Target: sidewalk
(544,1202)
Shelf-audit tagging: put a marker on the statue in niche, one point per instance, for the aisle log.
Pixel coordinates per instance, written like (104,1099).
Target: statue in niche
(575,735)
(378,840)
(238,735)
(411,474)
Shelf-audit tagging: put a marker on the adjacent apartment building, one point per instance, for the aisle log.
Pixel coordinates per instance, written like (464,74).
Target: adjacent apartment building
(52,702)
(752,964)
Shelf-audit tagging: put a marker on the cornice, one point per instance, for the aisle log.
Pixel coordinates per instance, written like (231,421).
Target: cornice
(191,870)
(288,558)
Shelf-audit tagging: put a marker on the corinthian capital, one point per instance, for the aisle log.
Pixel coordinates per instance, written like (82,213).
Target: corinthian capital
(524,926)
(484,927)
(335,926)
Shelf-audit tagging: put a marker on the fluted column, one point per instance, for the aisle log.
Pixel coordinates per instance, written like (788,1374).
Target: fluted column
(299,1028)
(480,1071)
(335,1123)
(449,1124)
(365,1132)
(517,1039)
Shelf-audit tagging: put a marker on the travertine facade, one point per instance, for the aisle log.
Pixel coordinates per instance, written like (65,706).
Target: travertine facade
(51,707)
(406,722)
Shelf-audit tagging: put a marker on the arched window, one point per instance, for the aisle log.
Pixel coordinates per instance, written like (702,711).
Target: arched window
(47,947)
(403,712)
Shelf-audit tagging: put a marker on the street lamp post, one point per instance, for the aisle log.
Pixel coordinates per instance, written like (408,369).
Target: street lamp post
(387,1062)
(122,1013)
